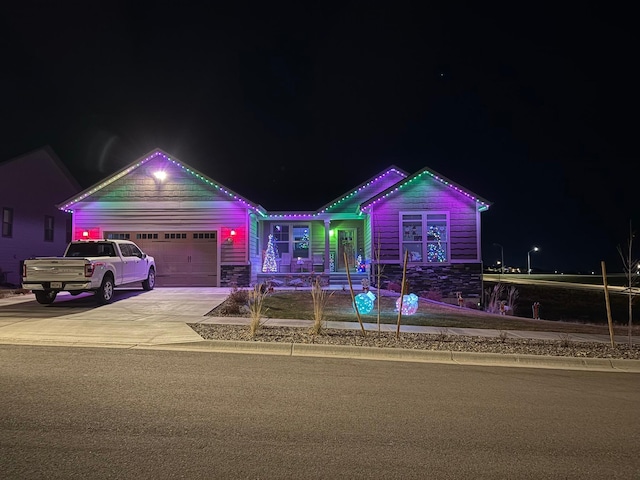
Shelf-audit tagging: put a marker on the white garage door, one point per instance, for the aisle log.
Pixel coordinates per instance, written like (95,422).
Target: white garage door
(182,258)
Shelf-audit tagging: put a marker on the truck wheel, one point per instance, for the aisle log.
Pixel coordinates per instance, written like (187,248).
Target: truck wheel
(45,298)
(104,294)
(150,282)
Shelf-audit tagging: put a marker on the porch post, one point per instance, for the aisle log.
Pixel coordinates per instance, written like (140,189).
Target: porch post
(327,225)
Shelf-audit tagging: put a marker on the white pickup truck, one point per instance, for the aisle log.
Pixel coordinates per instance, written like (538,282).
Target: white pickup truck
(89,266)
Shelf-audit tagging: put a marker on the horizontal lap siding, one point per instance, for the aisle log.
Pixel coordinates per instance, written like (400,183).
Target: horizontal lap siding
(180,203)
(317,238)
(169,216)
(427,195)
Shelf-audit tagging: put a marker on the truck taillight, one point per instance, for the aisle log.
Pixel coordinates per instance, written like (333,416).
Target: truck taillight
(24,270)
(88,269)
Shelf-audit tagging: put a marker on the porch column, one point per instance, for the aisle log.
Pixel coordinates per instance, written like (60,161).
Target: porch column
(327,225)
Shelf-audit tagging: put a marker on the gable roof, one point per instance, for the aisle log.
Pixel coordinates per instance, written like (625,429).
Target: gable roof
(481,203)
(352,199)
(67,204)
(349,202)
(44,153)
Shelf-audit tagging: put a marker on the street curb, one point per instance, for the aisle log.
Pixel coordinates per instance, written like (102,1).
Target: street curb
(406,355)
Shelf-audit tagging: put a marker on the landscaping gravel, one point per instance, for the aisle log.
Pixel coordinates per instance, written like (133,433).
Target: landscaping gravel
(442,341)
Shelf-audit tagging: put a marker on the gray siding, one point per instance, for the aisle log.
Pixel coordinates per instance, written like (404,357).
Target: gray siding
(428,195)
(32,185)
(165,216)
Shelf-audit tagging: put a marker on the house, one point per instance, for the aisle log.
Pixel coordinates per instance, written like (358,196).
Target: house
(203,234)
(31,186)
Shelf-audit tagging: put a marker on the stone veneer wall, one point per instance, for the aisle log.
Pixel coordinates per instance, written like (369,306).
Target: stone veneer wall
(235,275)
(445,279)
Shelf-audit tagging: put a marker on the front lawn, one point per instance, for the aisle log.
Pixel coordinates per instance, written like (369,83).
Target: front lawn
(299,305)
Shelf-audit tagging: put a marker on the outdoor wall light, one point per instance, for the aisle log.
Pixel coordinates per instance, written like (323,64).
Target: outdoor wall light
(232,233)
(160,175)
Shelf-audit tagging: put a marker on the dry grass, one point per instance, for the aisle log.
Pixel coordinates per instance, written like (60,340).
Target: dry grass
(9,292)
(257,309)
(320,297)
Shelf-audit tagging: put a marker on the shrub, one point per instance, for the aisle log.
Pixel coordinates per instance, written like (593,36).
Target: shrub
(320,299)
(238,298)
(565,340)
(394,287)
(471,304)
(434,295)
(256,308)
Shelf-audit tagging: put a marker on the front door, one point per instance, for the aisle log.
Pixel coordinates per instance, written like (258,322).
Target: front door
(346,244)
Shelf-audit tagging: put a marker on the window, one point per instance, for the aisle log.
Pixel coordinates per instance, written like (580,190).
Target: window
(90,249)
(118,236)
(68,230)
(48,228)
(7,222)
(135,251)
(294,239)
(425,235)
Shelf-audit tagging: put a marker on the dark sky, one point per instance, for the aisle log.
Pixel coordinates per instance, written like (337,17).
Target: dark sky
(292,104)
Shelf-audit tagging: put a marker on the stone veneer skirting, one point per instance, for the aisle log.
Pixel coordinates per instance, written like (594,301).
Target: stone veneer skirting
(235,275)
(445,279)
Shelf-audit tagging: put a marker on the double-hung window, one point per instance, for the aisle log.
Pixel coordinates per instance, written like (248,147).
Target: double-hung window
(292,238)
(425,235)
(7,222)
(48,228)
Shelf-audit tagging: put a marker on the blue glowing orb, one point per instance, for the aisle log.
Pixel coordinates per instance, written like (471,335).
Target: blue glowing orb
(409,304)
(364,302)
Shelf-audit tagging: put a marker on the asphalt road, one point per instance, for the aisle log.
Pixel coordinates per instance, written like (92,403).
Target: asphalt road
(116,413)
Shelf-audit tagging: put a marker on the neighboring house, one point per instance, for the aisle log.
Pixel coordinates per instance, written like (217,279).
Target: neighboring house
(203,234)
(31,186)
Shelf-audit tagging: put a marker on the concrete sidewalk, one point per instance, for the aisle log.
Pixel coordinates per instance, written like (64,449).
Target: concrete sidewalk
(159,320)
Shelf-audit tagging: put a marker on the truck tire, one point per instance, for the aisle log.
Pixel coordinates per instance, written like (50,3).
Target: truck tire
(45,297)
(150,282)
(104,294)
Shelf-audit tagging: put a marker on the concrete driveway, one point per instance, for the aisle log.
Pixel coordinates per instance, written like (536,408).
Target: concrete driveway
(135,317)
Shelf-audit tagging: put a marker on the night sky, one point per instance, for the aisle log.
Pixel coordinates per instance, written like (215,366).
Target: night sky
(293,104)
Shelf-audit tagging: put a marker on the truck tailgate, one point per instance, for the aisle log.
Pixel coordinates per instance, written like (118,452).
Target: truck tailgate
(55,268)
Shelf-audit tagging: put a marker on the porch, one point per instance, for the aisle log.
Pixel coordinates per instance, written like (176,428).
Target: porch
(307,279)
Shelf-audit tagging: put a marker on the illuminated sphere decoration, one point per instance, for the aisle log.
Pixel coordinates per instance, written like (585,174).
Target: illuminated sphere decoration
(364,302)
(409,304)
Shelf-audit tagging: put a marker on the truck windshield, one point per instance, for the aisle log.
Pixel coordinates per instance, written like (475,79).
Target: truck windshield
(93,249)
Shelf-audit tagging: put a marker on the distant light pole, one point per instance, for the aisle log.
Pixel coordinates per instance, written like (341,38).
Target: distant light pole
(534,249)
(501,257)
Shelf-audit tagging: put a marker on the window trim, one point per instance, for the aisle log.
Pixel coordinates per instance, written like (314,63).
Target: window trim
(291,241)
(49,233)
(424,241)
(9,223)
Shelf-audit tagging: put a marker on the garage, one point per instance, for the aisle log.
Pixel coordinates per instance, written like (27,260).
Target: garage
(182,258)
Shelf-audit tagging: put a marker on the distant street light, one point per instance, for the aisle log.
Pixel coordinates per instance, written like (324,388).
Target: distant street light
(501,257)
(534,249)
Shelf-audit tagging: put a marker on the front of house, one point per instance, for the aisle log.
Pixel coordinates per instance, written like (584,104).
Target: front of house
(203,234)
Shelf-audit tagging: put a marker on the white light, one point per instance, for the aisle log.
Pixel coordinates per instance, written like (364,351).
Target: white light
(160,175)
